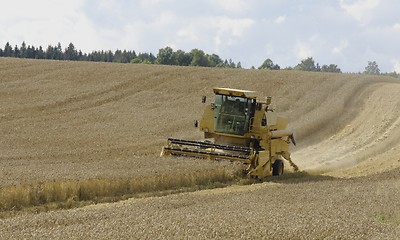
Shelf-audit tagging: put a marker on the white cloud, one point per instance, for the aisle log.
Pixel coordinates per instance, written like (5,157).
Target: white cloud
(342,46)
(153,4)
(235,27)
(38,10)
(360,9)
(131,37)
(111,7)
(303,51)
(166,18)
(396,65)
(280,19)
(234,6)
(48,22)
(188,33)
(213,32)
(228,30)
(396,26)
(217,43)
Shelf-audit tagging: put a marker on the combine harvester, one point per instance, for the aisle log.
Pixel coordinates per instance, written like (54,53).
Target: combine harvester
(243,129)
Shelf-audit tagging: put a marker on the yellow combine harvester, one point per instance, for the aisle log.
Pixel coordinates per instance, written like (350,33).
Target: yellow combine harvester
(243,129)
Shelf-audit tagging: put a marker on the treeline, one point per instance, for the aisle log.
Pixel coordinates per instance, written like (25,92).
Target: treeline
(310,65)
(307,64)
(165,56)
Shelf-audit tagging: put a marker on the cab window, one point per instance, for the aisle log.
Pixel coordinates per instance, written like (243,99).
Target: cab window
(232,114)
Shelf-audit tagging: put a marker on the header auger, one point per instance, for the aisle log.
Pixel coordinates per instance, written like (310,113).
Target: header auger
(243,129)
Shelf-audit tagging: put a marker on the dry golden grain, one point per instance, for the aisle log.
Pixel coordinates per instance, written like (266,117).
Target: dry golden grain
(75,130)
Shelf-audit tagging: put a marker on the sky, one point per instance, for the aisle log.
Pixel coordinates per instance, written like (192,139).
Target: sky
(348,33)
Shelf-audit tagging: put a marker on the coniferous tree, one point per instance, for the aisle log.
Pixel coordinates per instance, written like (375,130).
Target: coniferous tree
(7,50)
(23,50)
(71,53)
(80,56)
(30,52)
(58,53)
(118,57)
(40,54)
(16,52)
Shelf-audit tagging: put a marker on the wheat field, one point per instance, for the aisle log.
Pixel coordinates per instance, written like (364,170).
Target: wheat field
(74,127)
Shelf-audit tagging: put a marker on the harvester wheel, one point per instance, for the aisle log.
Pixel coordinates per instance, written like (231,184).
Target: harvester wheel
(277,168)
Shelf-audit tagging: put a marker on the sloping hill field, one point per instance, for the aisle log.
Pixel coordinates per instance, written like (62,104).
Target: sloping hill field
(73,131)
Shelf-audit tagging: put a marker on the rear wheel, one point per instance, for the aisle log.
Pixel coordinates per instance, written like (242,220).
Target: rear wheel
(277,168)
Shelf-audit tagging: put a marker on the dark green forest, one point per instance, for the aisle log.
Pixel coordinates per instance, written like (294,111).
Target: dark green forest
(165,56)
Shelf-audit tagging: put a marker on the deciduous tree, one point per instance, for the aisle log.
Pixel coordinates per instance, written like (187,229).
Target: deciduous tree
(199,58)
(166,56)
(269,64)
(330,68)
(307,64)
(372,68)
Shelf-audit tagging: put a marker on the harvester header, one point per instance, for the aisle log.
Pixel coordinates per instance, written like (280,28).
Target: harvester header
(239,127)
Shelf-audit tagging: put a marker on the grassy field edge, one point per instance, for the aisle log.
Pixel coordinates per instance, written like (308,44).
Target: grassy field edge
(68,194)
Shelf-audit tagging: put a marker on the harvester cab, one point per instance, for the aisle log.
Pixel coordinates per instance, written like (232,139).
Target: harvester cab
(239,127)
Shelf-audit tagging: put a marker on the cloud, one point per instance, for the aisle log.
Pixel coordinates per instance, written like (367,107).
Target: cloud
(152,3)
(189,33)
(303,51)
(339,49)
(48,22)
(360,9)
(396,65)
(235,27)
(233,6)
(14,11)
(280,19)
(212,33)
(227,31)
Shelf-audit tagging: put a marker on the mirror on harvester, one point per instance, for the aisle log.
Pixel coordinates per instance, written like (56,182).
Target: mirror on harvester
(203,99)
(196,123)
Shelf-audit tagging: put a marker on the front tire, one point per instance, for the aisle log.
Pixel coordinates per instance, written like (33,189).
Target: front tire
(277,168)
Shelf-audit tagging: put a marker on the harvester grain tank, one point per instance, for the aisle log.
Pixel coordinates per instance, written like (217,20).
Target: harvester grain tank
(238,126)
